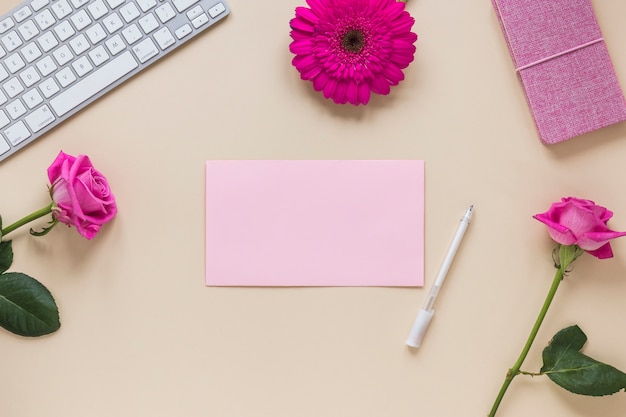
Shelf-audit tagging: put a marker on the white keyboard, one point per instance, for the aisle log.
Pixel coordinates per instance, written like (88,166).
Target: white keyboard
(58,56)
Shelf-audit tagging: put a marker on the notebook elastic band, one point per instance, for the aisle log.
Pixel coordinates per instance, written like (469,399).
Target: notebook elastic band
(584,45)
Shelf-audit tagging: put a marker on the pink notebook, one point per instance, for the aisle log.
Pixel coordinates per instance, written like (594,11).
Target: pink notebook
(563,65)
(315,223)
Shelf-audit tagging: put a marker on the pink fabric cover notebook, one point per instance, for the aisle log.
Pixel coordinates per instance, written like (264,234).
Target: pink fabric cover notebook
(314,223)
(563,64)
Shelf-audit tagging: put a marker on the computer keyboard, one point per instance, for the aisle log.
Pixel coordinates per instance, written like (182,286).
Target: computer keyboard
(58,56)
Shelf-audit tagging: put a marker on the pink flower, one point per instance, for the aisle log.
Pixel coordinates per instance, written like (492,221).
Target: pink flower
(81,194)
(574,221)
(349,48)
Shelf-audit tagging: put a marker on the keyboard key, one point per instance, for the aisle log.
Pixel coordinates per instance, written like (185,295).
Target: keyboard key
(45,19)
(79,44)
(6,24)
(217,10)
(200,20)
(115,3)
(194,12)
(32,98)
(79,3)
(82,66)
(182,5)
(81,20)
(93,83)
(65,77)
(64,30)
(115,44)
(61,9)
(39,119)
(39,4)
(22,14)
(28,30)
(49,88)
(132,34)
(145,50)
(30,76)
(31,52)
(182,31)
(46,66)
(97,9)
(96,33)
(4,146)
(17,133)
(47,41)
(13,87)
(16,109)
(14,63)
(130,12)
(113,23)
(63,55)
(148,23)
(99,56)
(3,73)
(146,5)
(11,41)
(164,38)
(165,12)
(3,98)
(4,120)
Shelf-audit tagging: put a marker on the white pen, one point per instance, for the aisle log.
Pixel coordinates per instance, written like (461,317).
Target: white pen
(426,313)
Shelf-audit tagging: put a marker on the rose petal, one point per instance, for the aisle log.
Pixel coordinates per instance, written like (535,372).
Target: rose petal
(604,252)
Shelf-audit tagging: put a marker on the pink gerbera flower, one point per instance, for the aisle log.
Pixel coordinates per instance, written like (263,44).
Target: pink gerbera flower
(349,48)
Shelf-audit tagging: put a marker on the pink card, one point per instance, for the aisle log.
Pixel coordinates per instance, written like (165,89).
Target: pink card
(315,223)
(563,64)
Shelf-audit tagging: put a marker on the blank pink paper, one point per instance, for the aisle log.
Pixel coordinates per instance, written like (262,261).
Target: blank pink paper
(315,223)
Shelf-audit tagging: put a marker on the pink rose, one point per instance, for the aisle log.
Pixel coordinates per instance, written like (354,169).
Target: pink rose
(81,194)
(574,221)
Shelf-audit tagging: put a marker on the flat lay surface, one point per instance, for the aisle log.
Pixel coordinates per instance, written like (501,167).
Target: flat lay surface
(141,333)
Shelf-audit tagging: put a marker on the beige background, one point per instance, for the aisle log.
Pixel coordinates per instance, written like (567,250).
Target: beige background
(143,336)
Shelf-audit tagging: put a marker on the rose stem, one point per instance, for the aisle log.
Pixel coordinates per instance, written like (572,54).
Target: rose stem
(33,216)
(558,277)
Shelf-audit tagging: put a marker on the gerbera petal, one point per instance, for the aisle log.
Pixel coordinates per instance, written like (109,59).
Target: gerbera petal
(310,73)
(320,81)
(304,46)
(380,85)
(393,74)
(352,93)
(340,93)
(404,23)
(302,25)
(307,65)
(394,10)
(316,4)
(364,93)
(307,14)
(402,60)
(329,88)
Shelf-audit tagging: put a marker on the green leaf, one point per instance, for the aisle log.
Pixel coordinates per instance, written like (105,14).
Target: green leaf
(26,306)
(576,372)
(6,255)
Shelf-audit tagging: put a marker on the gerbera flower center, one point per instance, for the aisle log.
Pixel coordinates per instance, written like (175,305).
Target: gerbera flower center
(353,41)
